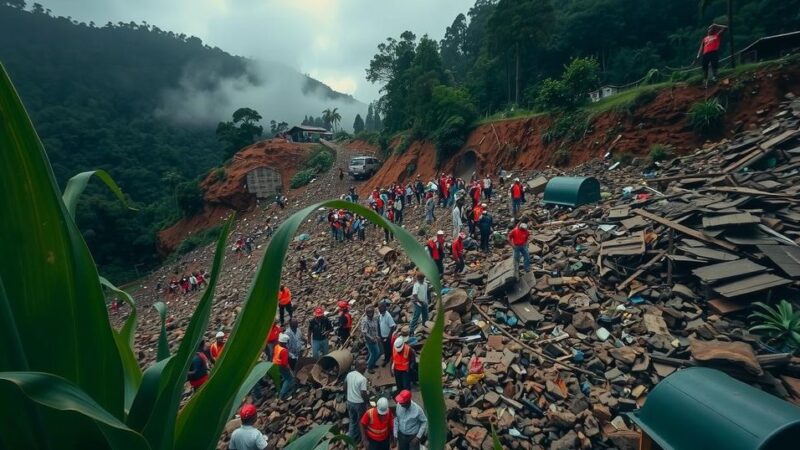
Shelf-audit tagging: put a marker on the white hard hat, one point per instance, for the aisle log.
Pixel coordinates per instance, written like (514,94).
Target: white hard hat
(398,343)
(523,225)
(283,338)
(440,232)
(219,334)
(516,179)
(383,406)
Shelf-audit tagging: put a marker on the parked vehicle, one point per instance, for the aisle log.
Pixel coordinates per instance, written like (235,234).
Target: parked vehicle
(363,166)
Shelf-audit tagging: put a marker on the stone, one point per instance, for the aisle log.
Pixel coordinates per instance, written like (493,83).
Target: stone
(566,442)
(626,440)
(626,355)
(475,436)
(583,321)
(561,418)
(717,353)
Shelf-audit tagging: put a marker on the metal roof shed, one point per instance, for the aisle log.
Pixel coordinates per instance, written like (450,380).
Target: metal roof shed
(572,191)
(701,408)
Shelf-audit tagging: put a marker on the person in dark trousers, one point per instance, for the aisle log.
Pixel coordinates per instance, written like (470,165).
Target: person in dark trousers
(198,370)
(355,388)
(419,190)
(318,330)
(457,249)
(386,329)
(345,323)
(285,302)
(403,357)
(708,52)
(485,224)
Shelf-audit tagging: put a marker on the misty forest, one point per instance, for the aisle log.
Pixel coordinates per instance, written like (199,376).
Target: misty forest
(114,95)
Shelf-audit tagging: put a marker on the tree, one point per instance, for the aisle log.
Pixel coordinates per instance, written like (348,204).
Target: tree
(273,127)
(521,26)
(704,4)
(453,47)
(327,118)
(189,197)
(240,132)
(18,4)
(369,124)
(358,124)
(172,178)
(336,118)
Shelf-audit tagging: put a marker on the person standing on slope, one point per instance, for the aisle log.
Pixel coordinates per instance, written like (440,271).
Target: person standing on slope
(708,52)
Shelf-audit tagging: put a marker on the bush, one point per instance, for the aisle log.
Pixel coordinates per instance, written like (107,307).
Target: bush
(571,91)
(572,126)
(561,157)
(219,174)
(660,152)
(780,326)
(641,99)
(624,158)
(302,178)
(706,117)
(189,197)
(450,137)
(198,240)
(321,159)
(341,135)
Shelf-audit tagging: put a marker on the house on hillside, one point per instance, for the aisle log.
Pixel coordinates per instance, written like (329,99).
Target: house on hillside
(603,92)
(305,133)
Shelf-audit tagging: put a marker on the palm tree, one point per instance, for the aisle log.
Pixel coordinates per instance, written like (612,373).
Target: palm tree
(703,5)
(336,118)
(326,117)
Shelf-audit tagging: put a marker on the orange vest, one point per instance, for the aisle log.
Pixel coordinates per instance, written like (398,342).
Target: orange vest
(284,297)
(278,354)
(516,191)
(215,349)
(476,213)
(348,321)
(401,359)
(377,428)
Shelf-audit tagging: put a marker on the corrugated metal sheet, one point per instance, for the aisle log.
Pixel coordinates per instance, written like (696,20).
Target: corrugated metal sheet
(721,271)
(730,220)
(757,283)
(784,256)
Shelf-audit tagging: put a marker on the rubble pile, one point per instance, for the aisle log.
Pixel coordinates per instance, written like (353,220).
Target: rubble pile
(658,276)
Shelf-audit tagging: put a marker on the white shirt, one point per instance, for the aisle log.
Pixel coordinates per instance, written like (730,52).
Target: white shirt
(420,290)
(355,384)
(410,421)
(487,183)
(386,322)
(247,437)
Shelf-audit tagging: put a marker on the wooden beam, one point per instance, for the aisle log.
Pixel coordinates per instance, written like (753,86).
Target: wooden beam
(641,270)
(685,230)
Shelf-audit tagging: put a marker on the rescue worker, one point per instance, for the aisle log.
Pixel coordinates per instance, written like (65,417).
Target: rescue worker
(377,426)
(296,344)
(345,324)
(285,302)
(386,329)
(709,52)
(247,437)
(518,238)
(370,331)
(198,370)
(410,422)
(517,192)
(216,346)
(272,339)
(281,359)
(403,357)
(457,249)
(318,330)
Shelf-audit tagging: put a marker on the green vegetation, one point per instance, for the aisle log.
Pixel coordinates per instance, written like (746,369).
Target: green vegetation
(571,126)
(781,325)
(562,156)
(571,90)
(358,124)
(320,160)
(706,117)
(198,240)
(189,197)
(94,394)
(240,132)
(659,152)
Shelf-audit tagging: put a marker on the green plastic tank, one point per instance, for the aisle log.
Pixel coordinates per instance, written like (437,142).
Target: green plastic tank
(572,191)
(701,409)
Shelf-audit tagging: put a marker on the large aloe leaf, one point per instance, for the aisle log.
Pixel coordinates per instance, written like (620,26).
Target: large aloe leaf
(311,439)
(52,283)
(163,343)
(258,372)
(197,429)
(146,396)
(59,394)
(160,427)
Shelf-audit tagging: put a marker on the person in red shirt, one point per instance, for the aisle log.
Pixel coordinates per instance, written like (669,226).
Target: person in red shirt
(285,302)
(709,51)
(457,248)
(518,238)
(272,339)
(345,321)
(435,247)
(517,192)
(377,426)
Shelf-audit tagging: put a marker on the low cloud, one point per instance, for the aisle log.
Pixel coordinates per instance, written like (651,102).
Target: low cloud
(276,91)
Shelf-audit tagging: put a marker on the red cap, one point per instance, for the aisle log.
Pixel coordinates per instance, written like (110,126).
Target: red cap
(403,397)
(248,411)
(343,304)
(318,312)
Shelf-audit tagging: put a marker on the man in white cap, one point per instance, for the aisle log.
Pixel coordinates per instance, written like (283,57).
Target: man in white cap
(216,347)
(377,426)
(280,357)
(419,298)
(518,238)
(403,358)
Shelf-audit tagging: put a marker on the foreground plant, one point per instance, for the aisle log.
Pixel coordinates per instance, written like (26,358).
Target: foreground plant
(781,325)
(707,116)
(69,380)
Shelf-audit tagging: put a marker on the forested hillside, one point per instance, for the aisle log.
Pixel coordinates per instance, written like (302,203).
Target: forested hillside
(94,93)
(509,54)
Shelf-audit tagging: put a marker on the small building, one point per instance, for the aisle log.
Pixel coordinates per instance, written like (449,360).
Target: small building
(572,191)
(305,133)
(603,92)
(264,182)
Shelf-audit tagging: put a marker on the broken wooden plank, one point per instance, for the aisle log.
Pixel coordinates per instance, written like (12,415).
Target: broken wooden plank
(716,272)
(708,253)
(749,285)
(786,257)
(527,313)
(633,245)
(730,220)
(725,306)
(641,270)
(684,229)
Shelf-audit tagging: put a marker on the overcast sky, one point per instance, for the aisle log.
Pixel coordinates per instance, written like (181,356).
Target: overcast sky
(331,40)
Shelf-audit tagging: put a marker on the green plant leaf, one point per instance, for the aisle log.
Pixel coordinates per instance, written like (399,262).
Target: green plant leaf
(163,343)
(197,429)
(161,427)
(256,374)
(124,340)
(58,393)
(147,395)
(13,356)
(311,439)
(77,184)
(52,283)
(496,445)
